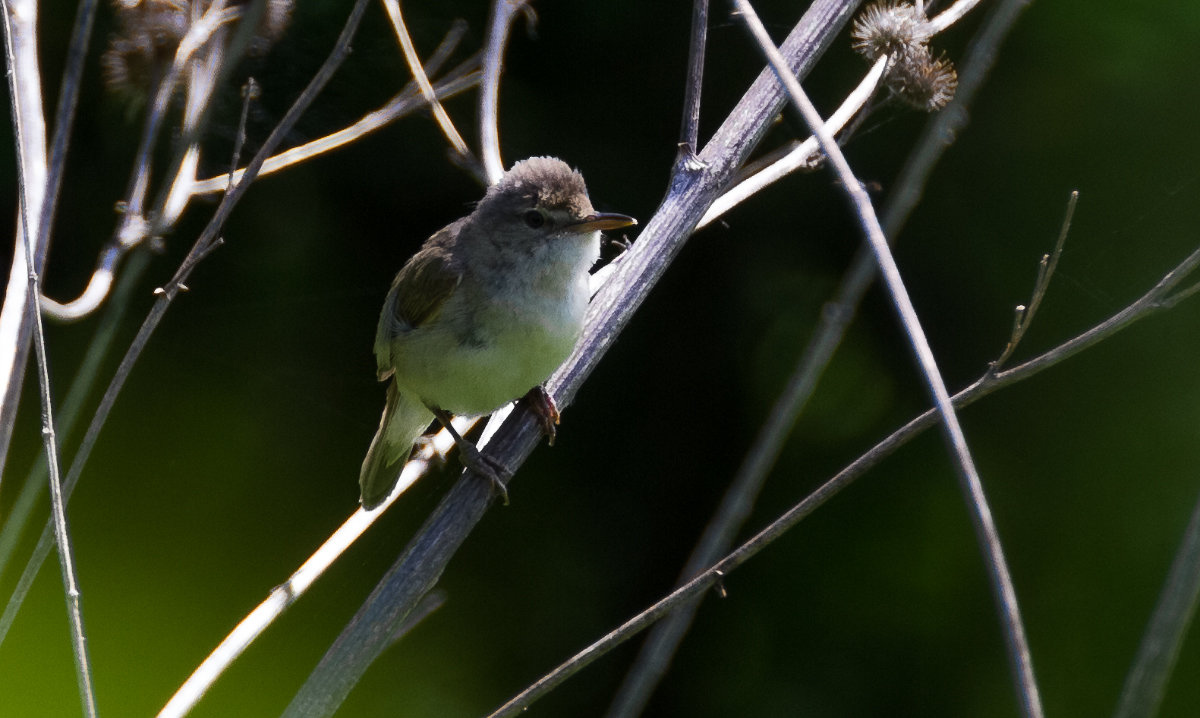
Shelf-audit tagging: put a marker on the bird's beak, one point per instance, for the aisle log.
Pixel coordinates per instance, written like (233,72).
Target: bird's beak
(602,221)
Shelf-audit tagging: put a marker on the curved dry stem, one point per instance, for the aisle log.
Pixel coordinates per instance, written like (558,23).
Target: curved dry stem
(462,78)
(422,79)
(201,71)
(804,153)
(24,84)
(503,13)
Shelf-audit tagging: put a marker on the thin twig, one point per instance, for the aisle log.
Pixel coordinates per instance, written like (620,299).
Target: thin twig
(689,132)
(27,232)
(1157,299)
(406,101)
(988,536)
(803,154)
(656,654)
(951,15)
(1024,314)
(736,504)
(24,84)
(418,73)
(503,12)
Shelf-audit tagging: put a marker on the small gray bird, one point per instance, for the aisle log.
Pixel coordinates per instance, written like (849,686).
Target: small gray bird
(484,313)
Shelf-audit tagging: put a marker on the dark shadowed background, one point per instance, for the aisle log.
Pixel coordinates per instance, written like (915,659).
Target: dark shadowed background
(234,450)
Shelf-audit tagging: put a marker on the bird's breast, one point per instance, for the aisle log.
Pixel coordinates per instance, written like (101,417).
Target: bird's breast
(493,343)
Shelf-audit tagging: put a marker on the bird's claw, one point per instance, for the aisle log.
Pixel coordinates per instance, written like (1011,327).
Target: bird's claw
(543,406)
(487,467)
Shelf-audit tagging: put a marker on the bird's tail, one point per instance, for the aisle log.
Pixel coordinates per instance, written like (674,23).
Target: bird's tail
(404,420)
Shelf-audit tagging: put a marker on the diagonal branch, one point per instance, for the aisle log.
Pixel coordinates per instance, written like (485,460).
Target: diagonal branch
(422,79)
(659,648)
(692,190)
(988,536)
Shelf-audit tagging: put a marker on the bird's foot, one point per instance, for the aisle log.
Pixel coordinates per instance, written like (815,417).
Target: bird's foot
(543,406)
(487,467)
(473,459)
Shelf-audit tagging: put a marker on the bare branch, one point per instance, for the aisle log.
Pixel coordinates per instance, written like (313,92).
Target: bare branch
(418,73)
(25,87)
(689,133)
(951,15)
(804,153)
(503,12)
(1025,314)
(405,102)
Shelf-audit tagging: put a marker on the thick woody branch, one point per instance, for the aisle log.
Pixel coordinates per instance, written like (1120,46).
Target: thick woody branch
(693,188)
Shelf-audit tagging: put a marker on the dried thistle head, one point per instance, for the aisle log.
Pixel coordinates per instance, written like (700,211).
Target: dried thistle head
(927,83)
(149,33)
(901,32)
(891,28)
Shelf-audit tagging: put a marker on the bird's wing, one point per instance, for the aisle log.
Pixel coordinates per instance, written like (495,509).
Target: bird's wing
(416,297)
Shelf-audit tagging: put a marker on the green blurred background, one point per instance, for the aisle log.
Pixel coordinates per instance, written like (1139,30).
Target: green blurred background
(235,447)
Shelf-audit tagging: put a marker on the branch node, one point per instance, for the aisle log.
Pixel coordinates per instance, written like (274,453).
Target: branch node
(688,160)
(719,586)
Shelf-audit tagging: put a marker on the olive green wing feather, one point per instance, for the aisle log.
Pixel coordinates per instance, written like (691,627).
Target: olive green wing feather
(416,297)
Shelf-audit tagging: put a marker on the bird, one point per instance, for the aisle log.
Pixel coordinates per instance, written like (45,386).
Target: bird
(483,313)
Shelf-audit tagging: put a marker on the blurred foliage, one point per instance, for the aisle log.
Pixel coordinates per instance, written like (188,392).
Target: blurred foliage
(235,447)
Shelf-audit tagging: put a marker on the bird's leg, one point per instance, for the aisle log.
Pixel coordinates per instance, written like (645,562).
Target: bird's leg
(469,454)
(542,404)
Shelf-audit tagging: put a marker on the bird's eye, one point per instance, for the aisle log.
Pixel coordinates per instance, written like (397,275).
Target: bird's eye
(534,219)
